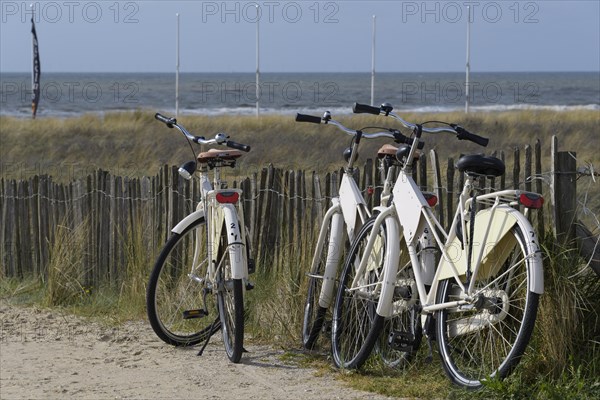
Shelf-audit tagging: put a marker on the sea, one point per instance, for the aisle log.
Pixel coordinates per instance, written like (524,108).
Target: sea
(66,95)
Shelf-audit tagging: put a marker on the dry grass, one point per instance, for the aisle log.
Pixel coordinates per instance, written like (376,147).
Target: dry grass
(135,144)
(66,283)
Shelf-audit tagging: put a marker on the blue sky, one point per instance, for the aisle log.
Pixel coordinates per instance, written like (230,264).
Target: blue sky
(302,36)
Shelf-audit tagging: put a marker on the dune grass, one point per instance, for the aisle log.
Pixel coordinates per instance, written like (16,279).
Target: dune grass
(133,143)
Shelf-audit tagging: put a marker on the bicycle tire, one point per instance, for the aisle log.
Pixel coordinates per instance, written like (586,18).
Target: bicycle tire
(230,302)
(356,325)
(489,341)
(171,291)
(314,314)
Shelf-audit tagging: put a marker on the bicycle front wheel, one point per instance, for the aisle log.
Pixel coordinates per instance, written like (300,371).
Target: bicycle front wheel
(356,325)
(488,339)
(177,286)
(230,300)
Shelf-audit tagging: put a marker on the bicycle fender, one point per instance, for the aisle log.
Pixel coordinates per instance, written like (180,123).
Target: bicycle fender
(187,221)
(236,242)
(498,246)
(334,254)
(390,268)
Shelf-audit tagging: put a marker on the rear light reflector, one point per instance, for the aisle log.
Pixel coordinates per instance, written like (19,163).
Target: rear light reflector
(431,199)
(228,197)
(531,200)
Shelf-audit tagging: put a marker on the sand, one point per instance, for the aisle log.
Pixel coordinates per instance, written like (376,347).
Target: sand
(48,354)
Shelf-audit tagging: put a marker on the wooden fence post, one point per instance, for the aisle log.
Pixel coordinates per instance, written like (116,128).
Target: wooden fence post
(563,188)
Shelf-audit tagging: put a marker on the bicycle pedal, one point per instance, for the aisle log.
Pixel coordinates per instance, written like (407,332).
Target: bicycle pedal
(251,266)
(401,341)
(190,314)
(249,285)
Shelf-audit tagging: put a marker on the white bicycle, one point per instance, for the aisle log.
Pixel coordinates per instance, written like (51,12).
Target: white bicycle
(479,302)
(345,217)
(203,268)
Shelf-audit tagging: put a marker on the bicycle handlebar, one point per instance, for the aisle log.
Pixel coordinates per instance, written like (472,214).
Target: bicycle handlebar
(220,138)
(308,118)
(170,122)
(463,134)
(386,109)
(358,108)
(326,119)
(238,146)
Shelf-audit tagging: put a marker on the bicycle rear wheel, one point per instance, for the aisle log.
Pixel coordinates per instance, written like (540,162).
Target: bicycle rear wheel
(176,288)
(230,300)
(488,340)
(356,325)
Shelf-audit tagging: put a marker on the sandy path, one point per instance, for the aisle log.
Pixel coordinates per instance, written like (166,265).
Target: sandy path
(49,355)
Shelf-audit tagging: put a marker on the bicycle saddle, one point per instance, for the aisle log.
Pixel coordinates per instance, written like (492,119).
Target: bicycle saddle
(214,154)
(478,164)
(387,150)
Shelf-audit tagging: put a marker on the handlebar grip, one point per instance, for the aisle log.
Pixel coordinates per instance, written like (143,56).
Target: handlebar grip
(463,134)
(400,138)
(168,121)
(358,108)
(308,118)
(237,146)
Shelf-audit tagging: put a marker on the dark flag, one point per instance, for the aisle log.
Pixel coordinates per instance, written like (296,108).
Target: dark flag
(35,96)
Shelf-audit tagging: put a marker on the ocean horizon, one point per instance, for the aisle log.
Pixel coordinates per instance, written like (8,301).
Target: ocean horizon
(67,94)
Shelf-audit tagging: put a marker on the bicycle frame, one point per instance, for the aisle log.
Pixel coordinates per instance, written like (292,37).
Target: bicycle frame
(410,216)
(348,209)
(219,217)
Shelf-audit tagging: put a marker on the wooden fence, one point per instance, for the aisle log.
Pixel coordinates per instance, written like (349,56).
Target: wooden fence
(284,210)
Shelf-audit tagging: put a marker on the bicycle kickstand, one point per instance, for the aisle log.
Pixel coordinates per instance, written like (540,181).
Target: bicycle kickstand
(211,332)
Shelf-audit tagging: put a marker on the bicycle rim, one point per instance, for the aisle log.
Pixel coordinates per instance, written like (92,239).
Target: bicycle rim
(489,340)
(176,288)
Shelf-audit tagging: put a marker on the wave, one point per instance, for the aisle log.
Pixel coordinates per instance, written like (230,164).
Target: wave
(25,112)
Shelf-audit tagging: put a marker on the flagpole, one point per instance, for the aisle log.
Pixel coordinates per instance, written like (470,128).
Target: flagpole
(257,60)
(373,65)
(32,59)
(468,66)
(177,71)
(35,72)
